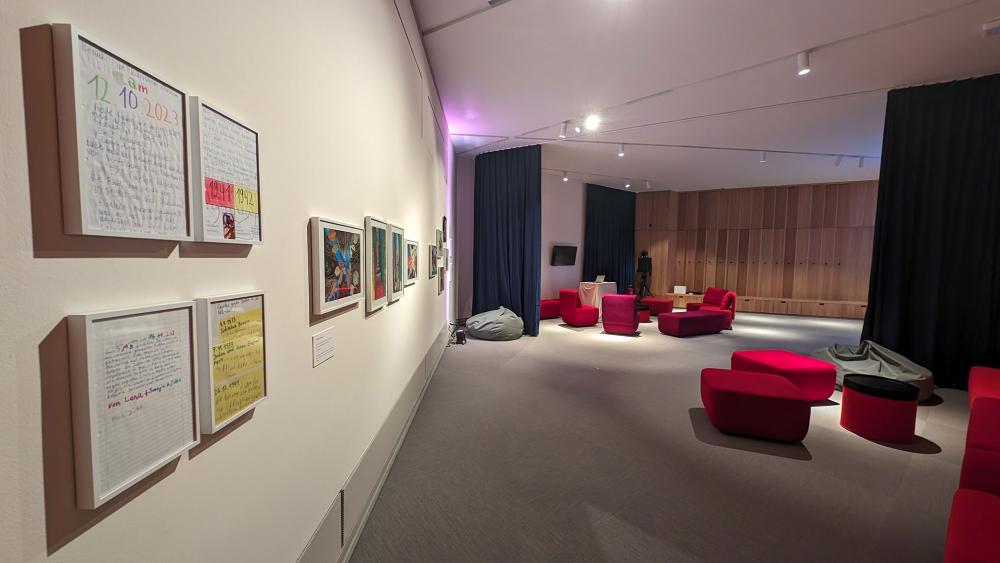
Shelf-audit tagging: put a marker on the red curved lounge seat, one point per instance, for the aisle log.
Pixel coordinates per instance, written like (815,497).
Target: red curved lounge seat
(717,299)
(816,378)
(575,313)
(620,314)
(549,309)
(761,405)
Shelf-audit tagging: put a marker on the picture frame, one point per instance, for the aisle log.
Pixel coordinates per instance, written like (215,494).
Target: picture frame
(122,362)
(226,179)
(412,261)
(376,264)
(231,357)
(441,280)
(432,260)
(100,195)
(337,251)
(397,263)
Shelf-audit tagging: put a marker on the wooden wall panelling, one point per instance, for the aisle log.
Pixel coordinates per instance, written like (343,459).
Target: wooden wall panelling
(643,241)
(830,207)
(644,211)
(746,208)
(827,249)
(764,276)
(757,211)
(792,206)
(721,260)
(780,207)
(843,264)
(708,207)
(801,281)
(678,274)
(788,269)
(815,260)
(711,250)
(733,209)
(804,208)
(869,201)
(777,262)
(732,257)
(660,251)
(699,262)
(768,221)
(818,202)
(753,263)
(741,271)
(664,214)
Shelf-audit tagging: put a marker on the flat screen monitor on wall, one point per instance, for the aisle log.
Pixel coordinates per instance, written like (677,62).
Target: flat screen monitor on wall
(563,255)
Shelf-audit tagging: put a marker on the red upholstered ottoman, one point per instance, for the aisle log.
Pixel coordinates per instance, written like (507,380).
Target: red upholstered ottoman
(644,314)
(658,305)
(879,409)
(972,527)
(814,377)
(754,404)
(691,323)
(549,309)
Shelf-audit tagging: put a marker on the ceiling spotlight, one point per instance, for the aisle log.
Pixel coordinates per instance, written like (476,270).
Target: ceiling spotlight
(565,177)
(592,122)
(648,186)
(621,150)
(562,129)
(803,61)
(861,162)
(628,184)
(840,158)
(577,129)
(763,157)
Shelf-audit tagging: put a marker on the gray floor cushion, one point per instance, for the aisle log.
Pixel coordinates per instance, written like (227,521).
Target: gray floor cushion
(501,324)
(869,358)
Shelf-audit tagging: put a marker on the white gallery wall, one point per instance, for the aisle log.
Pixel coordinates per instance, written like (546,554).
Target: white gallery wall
(349,126)
(563,208)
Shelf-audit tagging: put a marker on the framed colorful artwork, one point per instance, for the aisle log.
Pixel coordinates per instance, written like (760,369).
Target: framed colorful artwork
(441,281)
(231,366)
(397,257)
(336,264)
(432,262)
(376,264)
(412,259)
(439,238)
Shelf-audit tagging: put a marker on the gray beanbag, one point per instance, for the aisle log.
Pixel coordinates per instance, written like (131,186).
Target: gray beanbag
(868,358)
(501,324)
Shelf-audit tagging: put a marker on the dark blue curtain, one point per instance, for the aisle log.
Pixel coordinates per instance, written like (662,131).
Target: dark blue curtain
(935,280)
(507,246)
(609,236)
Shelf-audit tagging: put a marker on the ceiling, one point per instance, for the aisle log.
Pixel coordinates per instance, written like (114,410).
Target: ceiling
(696,89)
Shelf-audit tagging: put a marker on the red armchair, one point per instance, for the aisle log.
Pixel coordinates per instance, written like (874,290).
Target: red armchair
(717,299)
(620,314)
(575,313)
(549,309)
(975,509)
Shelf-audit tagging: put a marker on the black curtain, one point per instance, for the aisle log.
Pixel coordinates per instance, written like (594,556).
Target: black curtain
(609,236)
(507,247)
(935,280)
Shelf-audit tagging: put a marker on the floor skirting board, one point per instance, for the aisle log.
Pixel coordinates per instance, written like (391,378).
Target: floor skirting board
(338,532)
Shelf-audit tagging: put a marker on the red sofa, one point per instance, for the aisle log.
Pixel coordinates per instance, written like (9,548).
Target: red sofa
(548,309)
(815,378)
(717,299)
(575,313)
(620,314)
(975,509)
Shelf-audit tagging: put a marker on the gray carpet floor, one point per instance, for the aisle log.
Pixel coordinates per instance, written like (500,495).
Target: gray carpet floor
(582,446)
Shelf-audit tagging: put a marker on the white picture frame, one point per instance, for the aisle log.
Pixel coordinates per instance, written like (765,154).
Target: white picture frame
(230,199)
(244,336)
(397,263)
(78,100)
(319,228)
(376,264)
(412,257)
(110,367)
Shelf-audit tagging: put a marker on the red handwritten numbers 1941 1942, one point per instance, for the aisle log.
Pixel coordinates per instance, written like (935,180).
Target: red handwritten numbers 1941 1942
(130,97)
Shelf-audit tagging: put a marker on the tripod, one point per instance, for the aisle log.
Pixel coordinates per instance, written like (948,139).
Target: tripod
(645,270)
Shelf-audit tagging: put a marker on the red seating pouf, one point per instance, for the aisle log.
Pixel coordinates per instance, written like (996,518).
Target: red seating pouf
(880,409)
(644,314)
(981,465)
(815,378)
(973,528)
(983,382)
(754,404)
(620,314)
(691,323)
(549,309)
(575,313)
(658,305)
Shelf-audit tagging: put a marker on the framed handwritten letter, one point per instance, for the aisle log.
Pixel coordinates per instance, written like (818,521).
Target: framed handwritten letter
(226,173)
(336,264)
(230,357)
(122,144)
(134,394)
